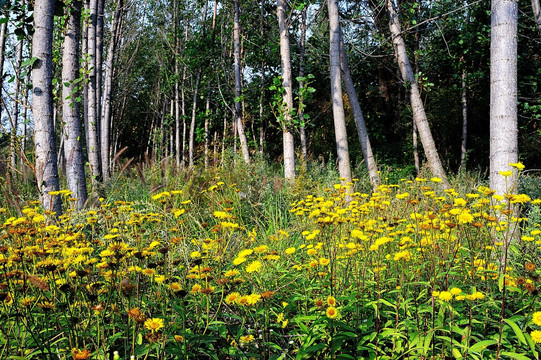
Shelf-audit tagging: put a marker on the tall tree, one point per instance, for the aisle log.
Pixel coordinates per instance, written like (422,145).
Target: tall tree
(342,150)
(105,122)
(503,92)
(3,37)
(238,85)
(358,116)
(419,115)
(302,56)
(46,170)
(286,112)
(536,8)
(71,115)
(15,115)
(93,145)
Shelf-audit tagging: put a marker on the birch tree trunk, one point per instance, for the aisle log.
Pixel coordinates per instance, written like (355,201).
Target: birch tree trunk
(176,27)
(73,150)
(15,115)
(536,8)
(285,57)
(107,91)
(44,131)
(192,124)
(93,146)
(238,86)
(359,118)
(503,93)
(100,20)
(464,100)
(342,151)
(3,37)
(302,45)
(419,115)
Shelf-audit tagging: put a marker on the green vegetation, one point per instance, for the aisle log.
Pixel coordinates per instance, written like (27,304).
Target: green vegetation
(219,264)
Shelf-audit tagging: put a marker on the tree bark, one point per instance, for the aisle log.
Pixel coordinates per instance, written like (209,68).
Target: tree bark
(3,37)
(302,45)
(73,150)
(192,124)
(93,146)
(15,116)
(503,94)
(238,86)
(464,100)
(359,118)
(44,131)
(536,8)
(107,91)
(342,151)
(419,115)
(287,83)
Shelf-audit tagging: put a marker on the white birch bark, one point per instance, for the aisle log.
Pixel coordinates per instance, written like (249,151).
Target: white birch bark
(359,118)
(503,93)
(342,151)
(238,86)
(285,57)
(464,100)
(44,133)
(3,37)
(419,115)
(105,122)
(93,146)
(192,124)
(536,9)
(15,115)
(73,150)
(302,45)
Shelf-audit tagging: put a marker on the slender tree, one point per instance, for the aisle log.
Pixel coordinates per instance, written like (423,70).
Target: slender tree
(419,115)
(93,145)
(3,37)
(238,85)
(16,107)
(105,136)
(46,170)
(285,59)
(302,56)
(536,8)
(342,150)
(358,116)
(71,117)
(503,93)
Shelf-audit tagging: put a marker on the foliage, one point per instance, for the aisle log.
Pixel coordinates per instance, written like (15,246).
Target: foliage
(206,268)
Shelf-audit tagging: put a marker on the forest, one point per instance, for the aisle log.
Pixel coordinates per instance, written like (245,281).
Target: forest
(281,179)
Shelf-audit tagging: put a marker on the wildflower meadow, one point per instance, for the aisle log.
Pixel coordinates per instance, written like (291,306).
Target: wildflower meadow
(406,271)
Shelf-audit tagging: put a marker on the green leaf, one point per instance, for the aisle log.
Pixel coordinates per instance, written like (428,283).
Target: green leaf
(481,345)
(514,355)
(516,329)
(30,61)
(457,354)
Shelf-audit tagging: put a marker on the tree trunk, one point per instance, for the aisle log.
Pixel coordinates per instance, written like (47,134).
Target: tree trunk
(44,131)
(342,151)
(286,121)
(238,86)
(359,118)
(536,8)
(419,115)
(3,37)
(192,124)
(73,150)
(463,147)
(93,146)
(15,117)
(100,20)
(503,94)
(176,19)
(302,45)
(107,91)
